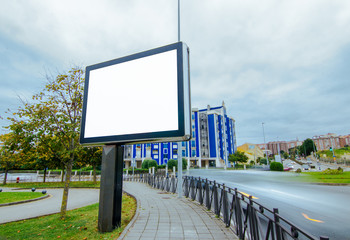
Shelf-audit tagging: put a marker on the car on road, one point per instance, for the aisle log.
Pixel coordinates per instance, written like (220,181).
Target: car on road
(305,167)
(288,167)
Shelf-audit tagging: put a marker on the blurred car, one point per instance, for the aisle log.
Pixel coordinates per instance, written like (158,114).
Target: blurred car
(305,167)
(288,167)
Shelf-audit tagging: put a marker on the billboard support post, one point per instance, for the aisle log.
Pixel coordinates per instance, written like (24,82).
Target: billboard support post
(111,187)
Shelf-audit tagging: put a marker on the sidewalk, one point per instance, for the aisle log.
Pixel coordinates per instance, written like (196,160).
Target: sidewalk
(162,215)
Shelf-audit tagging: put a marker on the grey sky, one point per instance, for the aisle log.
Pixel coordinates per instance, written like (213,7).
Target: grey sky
(284,63)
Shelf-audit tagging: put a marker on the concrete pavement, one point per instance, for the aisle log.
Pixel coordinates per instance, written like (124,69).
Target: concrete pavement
(162,215)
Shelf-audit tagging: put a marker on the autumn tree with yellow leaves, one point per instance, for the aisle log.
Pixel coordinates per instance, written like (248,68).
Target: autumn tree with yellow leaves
(50,125)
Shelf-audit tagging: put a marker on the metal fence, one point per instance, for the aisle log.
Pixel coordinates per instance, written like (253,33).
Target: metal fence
(50,177)
(246,217)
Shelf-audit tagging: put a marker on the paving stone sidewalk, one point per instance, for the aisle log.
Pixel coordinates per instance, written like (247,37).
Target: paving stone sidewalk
(163,215)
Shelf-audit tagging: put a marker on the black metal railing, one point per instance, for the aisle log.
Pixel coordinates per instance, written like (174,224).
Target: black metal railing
(246,217)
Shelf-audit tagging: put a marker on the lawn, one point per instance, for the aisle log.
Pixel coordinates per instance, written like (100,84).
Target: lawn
(319,177)
(79,224)
(8,197)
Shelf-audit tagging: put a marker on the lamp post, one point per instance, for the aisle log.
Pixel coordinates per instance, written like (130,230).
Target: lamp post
(313,145)
(178,20)
(267,158)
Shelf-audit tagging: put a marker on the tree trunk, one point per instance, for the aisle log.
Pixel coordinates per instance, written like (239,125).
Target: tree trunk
(66,189)
(62,177)
(44,180)
(66,184)
(5,176)
(95,174)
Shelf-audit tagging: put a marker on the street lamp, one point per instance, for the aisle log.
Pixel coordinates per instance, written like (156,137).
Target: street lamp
(267,158)
(313,144)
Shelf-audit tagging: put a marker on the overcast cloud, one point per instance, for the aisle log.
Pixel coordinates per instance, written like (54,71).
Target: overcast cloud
(284,63)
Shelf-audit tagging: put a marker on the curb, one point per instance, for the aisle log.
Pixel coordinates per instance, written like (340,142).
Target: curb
(25,201)
(131,223)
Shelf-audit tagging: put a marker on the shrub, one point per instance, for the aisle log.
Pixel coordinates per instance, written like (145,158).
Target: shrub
(263,161)
(161,166)
(298,170)
(172,163)
(276,166)
(149,163)
(332,171)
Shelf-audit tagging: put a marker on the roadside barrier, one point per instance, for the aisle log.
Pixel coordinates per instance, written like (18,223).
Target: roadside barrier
(246,217)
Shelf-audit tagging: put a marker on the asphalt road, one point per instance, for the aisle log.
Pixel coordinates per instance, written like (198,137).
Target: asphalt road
(319,209)
(76,198)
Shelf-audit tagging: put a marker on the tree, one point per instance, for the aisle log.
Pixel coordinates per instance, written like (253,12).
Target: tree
(54,122)
(308,146)
(238,156)
(90,156)
(8,153)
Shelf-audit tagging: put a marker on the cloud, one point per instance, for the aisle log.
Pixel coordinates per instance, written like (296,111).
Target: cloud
(284,63)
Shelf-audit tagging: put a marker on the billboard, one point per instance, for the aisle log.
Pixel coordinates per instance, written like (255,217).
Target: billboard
(144,97)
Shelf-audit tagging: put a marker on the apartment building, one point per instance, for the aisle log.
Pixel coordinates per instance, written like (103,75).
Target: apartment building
(213,139)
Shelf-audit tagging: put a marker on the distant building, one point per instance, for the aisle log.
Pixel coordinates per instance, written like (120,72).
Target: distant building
(252,151)
(277,147)
(344,141)
(272,147)
(324,142)
(213,139)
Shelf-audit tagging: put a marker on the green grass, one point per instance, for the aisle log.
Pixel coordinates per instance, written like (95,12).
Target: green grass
(79,224)
(9,197)
(319,177)
(82,184)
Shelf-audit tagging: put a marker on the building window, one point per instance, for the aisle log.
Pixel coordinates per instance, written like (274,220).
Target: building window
(193,143)
(165,151)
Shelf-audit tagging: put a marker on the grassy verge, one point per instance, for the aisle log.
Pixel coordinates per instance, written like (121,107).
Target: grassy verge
(77,184)
(8,197)
(319,177)
(79,224)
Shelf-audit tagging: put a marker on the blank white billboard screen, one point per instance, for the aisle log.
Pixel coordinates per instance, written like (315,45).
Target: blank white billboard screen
(138,96)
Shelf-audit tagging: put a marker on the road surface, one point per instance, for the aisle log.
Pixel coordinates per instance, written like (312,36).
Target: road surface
(319,209)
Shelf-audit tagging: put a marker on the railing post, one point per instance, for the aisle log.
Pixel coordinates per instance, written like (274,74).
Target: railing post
(216,203)
(277,226)
(192,188)
(207,202)
(254,228)
(238,215)
(200,191)
(225,207)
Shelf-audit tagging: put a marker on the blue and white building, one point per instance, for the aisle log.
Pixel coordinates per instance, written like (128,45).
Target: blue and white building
(213,139)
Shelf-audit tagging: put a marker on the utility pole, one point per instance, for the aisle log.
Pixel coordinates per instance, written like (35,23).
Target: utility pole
(267,157)
(178,20)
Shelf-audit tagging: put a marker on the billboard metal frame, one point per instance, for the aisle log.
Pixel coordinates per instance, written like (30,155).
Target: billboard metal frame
(183,133)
